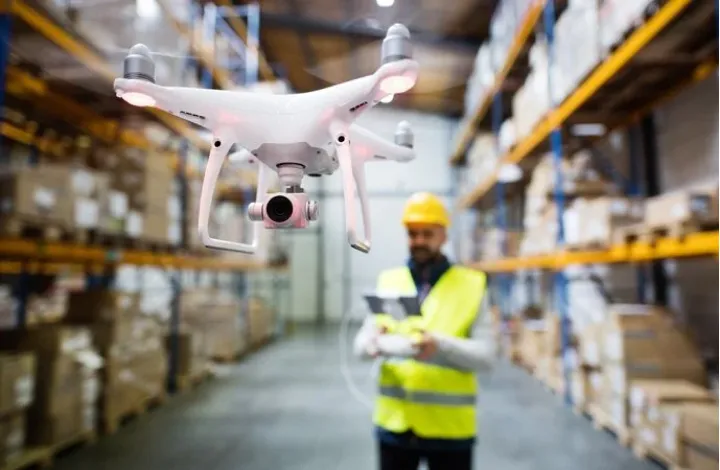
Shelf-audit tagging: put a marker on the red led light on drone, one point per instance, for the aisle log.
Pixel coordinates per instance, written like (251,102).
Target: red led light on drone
(138,99)
(396,84)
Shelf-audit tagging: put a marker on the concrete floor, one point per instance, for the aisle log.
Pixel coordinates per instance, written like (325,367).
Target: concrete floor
(287,407)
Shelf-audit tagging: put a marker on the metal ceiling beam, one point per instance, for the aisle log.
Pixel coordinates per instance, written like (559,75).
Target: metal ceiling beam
(359,31)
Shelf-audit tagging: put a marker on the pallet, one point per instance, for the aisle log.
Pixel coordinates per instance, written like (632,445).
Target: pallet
(189,382)
(34,228)
(120,241)
(111,423)
(82,439)
(589,246)
(651,234)
(601,422)
(227,358)
(36,457)
(645,453)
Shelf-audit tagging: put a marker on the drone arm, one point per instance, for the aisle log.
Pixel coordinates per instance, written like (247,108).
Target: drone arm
(351,177)
(370,146)
(217,156)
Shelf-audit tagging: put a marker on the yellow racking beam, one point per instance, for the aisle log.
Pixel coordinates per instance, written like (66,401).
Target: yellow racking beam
(521,38)
(90,59)
(241,30)
(219,74)
(692,245)
(602,74)
(64,254)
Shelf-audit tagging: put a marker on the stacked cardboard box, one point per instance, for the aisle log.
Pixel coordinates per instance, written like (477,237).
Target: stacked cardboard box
(261,321)
(90,195)
(640,342)
(115,215)
(38,194)
(192,358)
(154,208)
(214,319)
(532,342)
(657,411)
(17,393)
(497,244)
(591,223)
(683,208)
(132,348)
(67,382)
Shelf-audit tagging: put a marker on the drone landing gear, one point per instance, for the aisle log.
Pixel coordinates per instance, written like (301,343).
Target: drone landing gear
(353,174)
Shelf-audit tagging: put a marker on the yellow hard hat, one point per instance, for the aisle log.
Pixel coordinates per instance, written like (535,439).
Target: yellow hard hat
(425,208)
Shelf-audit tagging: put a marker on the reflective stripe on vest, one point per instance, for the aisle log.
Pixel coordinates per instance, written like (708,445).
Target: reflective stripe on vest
(431,400)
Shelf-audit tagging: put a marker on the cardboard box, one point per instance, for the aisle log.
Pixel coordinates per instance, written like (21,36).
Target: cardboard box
(699,433)
(39,193)
(101,304)
(681,207)
(12,436)
(17,381)
(647,395)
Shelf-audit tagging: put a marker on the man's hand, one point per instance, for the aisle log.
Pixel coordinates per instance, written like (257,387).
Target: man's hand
(427,347)
(373,350)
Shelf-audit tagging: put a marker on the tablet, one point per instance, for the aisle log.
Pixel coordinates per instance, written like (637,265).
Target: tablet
(396,306)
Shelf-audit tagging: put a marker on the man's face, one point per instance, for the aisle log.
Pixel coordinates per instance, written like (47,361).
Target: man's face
(425,241)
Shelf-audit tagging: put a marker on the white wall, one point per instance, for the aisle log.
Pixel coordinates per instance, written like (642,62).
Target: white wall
(325,252)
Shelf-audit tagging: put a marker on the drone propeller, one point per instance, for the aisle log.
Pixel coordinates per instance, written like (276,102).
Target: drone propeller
(433,76)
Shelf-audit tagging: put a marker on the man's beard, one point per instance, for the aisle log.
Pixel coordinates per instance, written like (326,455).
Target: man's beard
(422,254)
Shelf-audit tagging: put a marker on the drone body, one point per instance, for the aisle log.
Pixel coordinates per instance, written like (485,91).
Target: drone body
(306,134)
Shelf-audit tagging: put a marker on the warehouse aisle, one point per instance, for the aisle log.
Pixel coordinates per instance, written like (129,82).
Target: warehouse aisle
(287,408)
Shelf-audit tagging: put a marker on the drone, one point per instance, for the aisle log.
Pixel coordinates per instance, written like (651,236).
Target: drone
(296,135)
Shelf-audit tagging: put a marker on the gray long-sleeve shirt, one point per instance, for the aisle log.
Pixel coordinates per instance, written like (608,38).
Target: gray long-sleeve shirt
(475,353)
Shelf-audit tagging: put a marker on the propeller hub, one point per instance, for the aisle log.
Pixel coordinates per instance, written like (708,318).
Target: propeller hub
(139,64)
(396,45)
(404,135)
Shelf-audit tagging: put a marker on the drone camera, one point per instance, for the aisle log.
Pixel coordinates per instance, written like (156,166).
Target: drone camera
(284,210)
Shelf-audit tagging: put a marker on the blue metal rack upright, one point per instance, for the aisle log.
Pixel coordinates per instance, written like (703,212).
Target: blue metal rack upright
(556,146)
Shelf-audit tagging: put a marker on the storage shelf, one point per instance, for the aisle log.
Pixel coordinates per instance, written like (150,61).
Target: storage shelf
(523,35)
(61,254)
(34,15)
(693,245)
(665,85)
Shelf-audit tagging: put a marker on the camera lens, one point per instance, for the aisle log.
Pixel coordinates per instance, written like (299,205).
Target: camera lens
(279,209)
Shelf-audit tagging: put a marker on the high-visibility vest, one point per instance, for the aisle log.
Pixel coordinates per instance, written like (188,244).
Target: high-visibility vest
(433,401)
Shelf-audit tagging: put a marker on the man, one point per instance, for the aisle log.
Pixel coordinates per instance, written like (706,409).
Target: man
(425,408)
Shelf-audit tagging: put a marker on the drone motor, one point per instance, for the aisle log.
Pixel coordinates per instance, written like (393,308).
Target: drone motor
(396,45)
(139,64)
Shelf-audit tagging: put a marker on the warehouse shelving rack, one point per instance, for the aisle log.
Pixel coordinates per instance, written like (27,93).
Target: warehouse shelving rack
(548,135)
(28,258)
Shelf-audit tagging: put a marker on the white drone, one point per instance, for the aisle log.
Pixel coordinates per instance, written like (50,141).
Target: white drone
(310,134)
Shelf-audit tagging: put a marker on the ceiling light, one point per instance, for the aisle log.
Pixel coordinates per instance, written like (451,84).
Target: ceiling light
(385,3)
(587,130)
(147,9)
(509,173)
(387,99)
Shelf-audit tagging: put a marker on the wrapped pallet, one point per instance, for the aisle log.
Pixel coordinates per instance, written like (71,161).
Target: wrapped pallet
(641,342)
(67,384)
(652,405)
(17,393)
(132,346)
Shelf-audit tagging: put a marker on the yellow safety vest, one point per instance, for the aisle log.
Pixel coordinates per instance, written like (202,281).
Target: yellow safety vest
(431,400)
